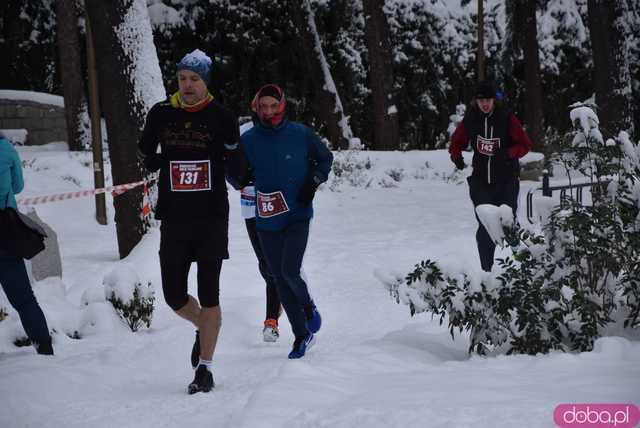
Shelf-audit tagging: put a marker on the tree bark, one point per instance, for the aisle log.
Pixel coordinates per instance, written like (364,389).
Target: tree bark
(70,69)
(521,61)
(123,105)
(13,33)
(612,79)
(480,48)
(330,108)
(385,113)
(533,105)
(509,50)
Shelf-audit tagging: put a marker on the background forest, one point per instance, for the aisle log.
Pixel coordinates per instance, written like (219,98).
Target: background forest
(433,50)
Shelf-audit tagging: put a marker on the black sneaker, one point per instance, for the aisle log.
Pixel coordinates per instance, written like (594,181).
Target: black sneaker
(44,347)
(202,382)
(195,351)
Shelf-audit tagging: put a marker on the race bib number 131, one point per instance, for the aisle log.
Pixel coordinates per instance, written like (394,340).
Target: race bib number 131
(190,176)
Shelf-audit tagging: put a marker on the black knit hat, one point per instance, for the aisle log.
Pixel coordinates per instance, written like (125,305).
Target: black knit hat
(270,91)
(485,89)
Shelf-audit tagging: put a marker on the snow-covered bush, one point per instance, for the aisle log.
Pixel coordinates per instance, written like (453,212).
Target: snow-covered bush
(397,174)
(349,168)
(564,284)
(3,313)
(132,300)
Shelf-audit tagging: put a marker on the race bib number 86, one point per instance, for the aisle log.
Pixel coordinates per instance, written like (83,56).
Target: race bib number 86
(271,204)
(190,176)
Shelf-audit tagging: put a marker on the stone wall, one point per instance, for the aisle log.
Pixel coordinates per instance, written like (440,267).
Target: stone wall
(44,123)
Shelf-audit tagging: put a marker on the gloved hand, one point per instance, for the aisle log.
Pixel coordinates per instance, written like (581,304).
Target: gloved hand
(154,162)
(459,162)
(307,192)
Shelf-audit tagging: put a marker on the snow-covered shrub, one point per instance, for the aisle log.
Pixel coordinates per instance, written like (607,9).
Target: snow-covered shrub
(132,300)
(454,176)
(397,174)
(564,284)
(348,168)
(3,313)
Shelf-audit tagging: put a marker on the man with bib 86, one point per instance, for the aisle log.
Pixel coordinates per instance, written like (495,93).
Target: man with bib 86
(288,162)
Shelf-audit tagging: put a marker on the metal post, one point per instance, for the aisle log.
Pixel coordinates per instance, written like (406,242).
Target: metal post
(96,131)
(546,191)
(480,58)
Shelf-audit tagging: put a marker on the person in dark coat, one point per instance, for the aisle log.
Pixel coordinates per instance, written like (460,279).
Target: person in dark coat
(498,142)
(13,273)
(198,140)
(288,162)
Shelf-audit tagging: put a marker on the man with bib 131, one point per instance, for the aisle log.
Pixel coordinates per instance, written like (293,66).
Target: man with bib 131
(288,162)
(498,141)
(198,141)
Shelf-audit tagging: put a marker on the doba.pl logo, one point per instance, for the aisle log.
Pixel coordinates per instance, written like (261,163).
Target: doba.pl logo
(596,415)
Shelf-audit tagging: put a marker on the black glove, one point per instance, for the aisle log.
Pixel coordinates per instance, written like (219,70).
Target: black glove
(307,192)
(459,162)
(154,162)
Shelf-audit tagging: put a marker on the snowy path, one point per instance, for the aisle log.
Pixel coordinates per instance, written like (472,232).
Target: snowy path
(373,365)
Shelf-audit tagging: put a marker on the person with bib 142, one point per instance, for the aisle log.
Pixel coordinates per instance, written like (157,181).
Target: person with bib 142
(498,142)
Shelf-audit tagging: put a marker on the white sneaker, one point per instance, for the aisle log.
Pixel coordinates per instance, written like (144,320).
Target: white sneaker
(270,331)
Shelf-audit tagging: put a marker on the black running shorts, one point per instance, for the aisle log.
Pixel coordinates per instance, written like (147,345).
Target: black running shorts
(182,244)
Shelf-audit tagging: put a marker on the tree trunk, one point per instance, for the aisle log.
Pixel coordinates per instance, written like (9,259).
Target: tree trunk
(330,109)
(385,113)
(521,61)
(533,84)
(634,63)
(130,82)
(510,51)
(480,48)
(612,81)
(620,75)
(70,70)
(12,33)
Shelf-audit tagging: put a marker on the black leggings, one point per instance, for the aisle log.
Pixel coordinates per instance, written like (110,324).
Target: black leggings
(273,301)
(177,251)
(506,193)
(284,250)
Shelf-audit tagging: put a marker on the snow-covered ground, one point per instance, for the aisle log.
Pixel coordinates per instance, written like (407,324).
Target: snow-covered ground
(372,366)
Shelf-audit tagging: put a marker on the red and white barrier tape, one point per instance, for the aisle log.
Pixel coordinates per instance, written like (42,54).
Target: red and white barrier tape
(115,190)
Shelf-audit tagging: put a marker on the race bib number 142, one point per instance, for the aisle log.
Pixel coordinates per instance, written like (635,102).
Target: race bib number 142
(190,176)
(488,146)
